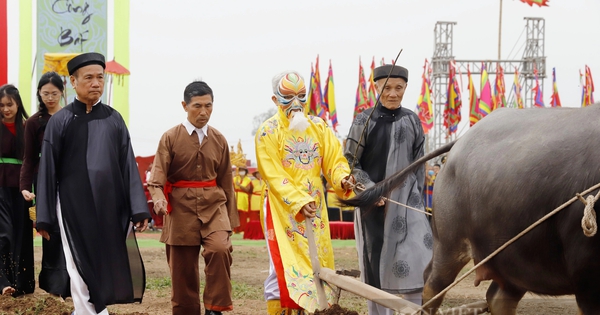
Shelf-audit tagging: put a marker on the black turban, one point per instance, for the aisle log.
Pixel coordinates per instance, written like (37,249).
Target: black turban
(397,72)
(85,59)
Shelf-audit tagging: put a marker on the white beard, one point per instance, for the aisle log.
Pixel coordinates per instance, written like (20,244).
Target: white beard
(299,122)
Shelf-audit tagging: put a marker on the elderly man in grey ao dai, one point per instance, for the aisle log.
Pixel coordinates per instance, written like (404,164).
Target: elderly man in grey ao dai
(394,243)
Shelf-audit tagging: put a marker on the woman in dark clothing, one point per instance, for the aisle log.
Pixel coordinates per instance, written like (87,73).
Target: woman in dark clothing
(53,278)
(16,239)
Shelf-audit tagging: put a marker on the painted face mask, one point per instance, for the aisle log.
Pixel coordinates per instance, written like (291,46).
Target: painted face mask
(291,93)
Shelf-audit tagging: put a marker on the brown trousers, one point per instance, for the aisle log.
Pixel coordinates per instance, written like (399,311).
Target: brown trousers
(185,275)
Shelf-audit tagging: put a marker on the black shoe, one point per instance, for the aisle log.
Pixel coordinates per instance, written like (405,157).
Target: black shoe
(209,312)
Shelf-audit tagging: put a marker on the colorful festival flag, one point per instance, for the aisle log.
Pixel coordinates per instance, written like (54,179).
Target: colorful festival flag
(329,98)
(372,93)
(485,101)
(582,82)
(453,106)
(540,3)
(538,99)
(318,93)
(554,99)
(499,90)
(517,90)
(362,80)
(315,95)
(312,106)
(474,116)
(424,106)
(362,102)
(587,97)
(590,83)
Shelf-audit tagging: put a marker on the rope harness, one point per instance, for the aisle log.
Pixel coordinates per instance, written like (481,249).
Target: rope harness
(588,222)
(362,188)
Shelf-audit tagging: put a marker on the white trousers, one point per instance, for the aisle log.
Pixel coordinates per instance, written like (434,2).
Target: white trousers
(79,290)
(270,284)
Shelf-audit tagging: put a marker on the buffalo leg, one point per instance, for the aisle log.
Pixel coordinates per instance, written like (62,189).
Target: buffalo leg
(441,272)
(503,301)
(588,304)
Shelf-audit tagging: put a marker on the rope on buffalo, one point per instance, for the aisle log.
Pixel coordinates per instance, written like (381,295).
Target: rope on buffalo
(512,240)
(362,188)
(588,222)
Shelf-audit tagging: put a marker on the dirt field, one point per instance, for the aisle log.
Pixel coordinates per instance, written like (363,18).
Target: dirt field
(249,270)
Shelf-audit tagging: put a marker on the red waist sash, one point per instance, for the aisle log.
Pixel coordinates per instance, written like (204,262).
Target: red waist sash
(185,184)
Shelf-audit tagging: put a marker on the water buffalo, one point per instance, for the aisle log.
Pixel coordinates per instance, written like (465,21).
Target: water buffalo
(505,173)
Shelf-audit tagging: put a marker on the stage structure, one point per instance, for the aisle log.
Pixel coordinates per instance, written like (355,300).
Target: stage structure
(533,58)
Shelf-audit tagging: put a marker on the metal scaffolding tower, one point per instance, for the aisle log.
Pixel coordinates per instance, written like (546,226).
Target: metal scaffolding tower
(534,58)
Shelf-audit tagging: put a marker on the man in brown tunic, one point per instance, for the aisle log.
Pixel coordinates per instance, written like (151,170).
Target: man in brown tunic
(191,184)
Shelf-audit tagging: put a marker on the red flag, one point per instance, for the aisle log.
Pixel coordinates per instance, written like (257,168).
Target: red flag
(3,43)
(540,3)
(555,99)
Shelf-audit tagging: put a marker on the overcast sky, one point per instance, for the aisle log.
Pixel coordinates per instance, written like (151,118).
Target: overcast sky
(238,46)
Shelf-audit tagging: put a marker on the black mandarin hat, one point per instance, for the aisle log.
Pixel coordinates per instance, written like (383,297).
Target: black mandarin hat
(397,72)
(85,59)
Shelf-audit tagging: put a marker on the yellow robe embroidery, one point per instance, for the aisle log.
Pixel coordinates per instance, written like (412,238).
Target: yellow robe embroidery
(291,163)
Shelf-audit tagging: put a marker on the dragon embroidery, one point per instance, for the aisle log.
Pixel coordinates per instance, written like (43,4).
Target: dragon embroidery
(303,153)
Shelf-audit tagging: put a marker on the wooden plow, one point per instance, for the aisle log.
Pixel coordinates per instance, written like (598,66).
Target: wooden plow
(357,287)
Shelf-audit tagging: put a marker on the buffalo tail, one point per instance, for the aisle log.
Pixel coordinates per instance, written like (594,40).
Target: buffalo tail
(367,199)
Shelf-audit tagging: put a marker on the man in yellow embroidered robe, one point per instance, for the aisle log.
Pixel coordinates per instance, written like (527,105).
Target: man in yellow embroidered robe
(292,151)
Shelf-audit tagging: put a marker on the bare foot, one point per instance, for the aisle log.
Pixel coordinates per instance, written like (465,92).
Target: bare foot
(8,291)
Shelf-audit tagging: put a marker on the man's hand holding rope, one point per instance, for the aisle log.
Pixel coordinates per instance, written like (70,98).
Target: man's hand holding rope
(310,209)
(348,182)
(382,200)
